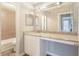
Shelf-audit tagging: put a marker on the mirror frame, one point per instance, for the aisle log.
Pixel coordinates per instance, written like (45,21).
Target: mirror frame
(27,18)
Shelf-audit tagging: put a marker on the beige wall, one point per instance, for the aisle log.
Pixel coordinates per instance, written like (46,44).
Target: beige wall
(53,21)
(8,23)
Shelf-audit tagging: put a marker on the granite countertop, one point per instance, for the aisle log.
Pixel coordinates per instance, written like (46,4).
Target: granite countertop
(73,38)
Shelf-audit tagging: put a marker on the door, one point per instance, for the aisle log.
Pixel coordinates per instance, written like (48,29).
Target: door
(32,45)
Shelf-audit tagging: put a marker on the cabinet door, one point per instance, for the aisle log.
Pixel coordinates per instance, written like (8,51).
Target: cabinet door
(32,45)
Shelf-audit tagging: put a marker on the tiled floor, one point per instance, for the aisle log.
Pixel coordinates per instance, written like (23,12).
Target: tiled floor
(11,54)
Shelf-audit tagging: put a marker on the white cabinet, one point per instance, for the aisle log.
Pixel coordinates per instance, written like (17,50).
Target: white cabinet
(32,45)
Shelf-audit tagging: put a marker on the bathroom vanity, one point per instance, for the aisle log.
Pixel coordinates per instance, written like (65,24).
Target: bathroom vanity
(36,43)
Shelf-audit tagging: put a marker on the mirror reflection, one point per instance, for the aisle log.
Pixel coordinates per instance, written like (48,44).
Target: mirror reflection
(65,22)
(62,18)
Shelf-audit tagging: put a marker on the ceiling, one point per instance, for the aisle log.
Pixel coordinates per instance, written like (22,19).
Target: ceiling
(8,5)
(32,5)
(39,5)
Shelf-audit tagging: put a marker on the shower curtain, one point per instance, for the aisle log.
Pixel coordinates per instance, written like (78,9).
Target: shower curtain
(8,24)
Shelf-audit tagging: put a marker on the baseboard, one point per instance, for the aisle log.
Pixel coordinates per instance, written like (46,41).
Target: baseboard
(51,54)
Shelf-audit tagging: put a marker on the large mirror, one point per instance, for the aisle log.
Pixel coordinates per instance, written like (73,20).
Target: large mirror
(62,18)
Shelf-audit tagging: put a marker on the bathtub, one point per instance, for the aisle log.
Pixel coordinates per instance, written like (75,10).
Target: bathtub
(8,45)
(10,40)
